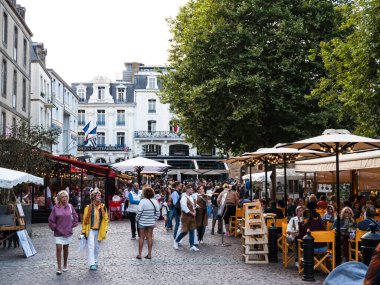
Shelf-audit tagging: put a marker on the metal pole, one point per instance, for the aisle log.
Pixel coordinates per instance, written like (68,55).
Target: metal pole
(285,182)
(81,189)
(266,181)
(250,181)
(338,235)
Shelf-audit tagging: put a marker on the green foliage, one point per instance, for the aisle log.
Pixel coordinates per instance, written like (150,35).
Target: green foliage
(353,68)
(241,70)
(23,148)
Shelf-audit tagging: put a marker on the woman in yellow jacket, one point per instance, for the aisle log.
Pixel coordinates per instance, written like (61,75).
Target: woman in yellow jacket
(94,227)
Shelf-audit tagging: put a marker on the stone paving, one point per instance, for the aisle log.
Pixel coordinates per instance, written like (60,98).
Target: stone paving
(118,263)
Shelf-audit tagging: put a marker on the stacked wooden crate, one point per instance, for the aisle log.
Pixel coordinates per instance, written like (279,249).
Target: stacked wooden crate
(254,234)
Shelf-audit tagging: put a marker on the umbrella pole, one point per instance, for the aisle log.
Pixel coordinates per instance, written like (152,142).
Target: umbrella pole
(285,182)
(250,181)
(338,235)
(266,181)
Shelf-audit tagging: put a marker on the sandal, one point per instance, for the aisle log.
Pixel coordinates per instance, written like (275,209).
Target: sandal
(138,257)
(148,257)
(64,269)
(59,272)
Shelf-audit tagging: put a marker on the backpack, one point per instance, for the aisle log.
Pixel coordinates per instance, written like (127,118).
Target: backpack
(177,205)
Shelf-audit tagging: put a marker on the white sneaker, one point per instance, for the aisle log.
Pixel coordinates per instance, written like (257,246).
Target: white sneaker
(175,244)
(194,248)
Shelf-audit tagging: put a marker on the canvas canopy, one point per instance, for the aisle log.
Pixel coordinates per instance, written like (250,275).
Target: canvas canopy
(10,178)
(148,165)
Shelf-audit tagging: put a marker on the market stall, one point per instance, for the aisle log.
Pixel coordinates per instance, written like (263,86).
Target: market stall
(12,220)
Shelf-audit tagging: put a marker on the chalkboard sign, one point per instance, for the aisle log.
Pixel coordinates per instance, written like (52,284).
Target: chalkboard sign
(26,243)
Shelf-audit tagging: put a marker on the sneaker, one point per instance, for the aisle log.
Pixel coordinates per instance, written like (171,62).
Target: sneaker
(194,248)
(297,264)
(93,267)
(133,238)
(175,244)
(180,244)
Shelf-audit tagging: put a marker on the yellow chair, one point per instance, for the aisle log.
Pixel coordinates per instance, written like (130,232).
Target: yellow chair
(321,212)
(286,258)
(320,258)
(361,218)
(353,246)
(235,221)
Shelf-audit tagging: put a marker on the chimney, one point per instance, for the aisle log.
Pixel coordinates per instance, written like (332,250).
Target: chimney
(21,11)
(41,52)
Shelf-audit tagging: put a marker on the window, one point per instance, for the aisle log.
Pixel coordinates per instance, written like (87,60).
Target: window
(3,125)
(23,94)
(179,150)
(101,93)
(82,95)
(120,94)
(4,79)
(120,118)
(80,138)
(100,160)
(119,160)
(101,118)
(15,44)
(14,94)
(81,117)
(120,138)
(151,126)
(152,149)
(25,53)
(152,106)
(5,29)
(101,137)
(152,83)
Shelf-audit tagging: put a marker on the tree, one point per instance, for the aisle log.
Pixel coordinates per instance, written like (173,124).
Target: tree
(241,71)
(22,148)
(353,68)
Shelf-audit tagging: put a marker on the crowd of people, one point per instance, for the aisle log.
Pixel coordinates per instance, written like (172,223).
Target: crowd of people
(186,209)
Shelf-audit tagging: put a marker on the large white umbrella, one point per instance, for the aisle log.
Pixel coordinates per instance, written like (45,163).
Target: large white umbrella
(139,164)
(10,178)
(337,142)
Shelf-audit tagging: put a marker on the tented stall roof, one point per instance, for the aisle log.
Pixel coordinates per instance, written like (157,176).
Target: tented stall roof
(10,178)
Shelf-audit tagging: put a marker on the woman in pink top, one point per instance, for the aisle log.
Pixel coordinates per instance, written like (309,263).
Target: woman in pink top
(63,218)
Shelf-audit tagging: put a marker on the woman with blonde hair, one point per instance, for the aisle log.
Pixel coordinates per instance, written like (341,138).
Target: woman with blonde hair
(95,227)
(347,224)
(62,220)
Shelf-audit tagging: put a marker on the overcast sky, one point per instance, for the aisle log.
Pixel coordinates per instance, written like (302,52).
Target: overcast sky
(87,38)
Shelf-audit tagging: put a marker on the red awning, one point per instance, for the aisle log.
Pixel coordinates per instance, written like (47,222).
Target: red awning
(91,168)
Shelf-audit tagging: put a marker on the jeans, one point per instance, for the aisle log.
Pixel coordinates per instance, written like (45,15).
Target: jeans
(191,237)
(132,218)
(170,216)
(93,247)
(177,221)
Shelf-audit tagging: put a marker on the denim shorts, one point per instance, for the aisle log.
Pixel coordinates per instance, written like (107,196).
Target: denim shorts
(144,227)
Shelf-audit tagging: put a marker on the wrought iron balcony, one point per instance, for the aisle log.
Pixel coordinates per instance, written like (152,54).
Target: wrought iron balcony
(159,135)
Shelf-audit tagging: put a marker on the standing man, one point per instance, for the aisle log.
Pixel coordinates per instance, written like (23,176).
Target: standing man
(188,221)
(174,212)
(215,218)
(134,200)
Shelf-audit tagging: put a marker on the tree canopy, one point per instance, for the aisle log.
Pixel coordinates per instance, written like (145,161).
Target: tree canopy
(241,71)
(353,68)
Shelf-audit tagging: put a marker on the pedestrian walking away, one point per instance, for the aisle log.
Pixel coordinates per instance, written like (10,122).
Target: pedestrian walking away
(63,218)
(148,212)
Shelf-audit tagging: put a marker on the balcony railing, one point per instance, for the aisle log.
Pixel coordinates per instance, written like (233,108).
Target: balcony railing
(158,134)
(152,111)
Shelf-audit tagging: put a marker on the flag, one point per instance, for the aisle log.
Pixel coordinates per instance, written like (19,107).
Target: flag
(91,137)
(86,127)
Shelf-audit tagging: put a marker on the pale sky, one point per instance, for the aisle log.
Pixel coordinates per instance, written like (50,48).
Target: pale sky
(87,38)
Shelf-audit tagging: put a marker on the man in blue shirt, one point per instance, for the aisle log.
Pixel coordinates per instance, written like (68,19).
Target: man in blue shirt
(174,213)
(370,219)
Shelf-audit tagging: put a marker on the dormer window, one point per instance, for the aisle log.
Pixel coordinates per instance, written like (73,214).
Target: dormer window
(152,82)
(82,94)
(101,91)
(120,94)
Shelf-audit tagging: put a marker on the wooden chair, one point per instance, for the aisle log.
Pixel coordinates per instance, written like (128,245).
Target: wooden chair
(234,222)
(361,218)
(320,258)
(353,246)
(321,211)
(286,256)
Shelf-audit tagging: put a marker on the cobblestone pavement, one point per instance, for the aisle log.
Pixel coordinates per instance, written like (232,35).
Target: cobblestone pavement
(118,263)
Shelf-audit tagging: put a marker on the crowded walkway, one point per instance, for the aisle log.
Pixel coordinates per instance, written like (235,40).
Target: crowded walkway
(118,263)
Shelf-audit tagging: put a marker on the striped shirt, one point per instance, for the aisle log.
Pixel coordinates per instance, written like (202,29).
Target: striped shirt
(148,213)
